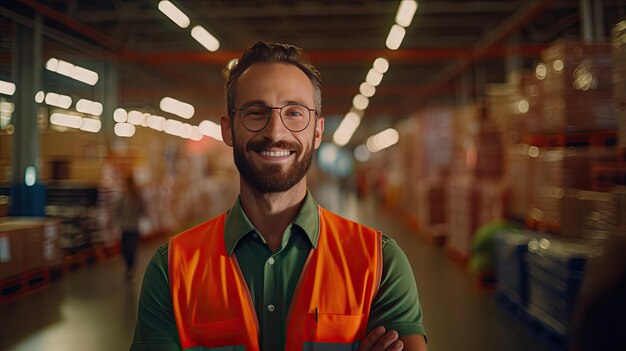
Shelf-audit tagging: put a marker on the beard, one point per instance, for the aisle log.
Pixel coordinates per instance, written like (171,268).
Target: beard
(272,178)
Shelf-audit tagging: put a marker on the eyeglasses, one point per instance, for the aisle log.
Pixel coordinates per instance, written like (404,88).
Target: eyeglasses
(295,117)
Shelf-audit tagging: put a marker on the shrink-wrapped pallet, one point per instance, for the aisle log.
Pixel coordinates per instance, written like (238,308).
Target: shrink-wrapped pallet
(578,88)
(431,202)
(619,62)
(462,215)
(556,169)
(519,177)
(589,214)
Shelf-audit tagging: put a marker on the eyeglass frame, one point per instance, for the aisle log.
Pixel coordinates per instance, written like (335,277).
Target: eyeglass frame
(280,110)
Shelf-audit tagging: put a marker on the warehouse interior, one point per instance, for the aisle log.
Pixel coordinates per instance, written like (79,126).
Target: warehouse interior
(487,137)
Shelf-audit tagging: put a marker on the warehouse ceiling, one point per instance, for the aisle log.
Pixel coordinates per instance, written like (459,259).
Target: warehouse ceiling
(451,46)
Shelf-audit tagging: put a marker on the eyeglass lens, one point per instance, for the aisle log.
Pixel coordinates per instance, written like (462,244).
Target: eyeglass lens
(294,117)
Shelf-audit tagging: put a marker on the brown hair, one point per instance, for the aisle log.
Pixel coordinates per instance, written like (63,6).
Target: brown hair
(264,52)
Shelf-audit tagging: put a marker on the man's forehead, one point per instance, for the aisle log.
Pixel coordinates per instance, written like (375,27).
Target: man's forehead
(261,80)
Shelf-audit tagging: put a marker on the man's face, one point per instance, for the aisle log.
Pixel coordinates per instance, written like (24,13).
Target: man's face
(274,159)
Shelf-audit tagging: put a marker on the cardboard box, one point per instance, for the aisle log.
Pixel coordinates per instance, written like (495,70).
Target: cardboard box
(11,252)
(4,206)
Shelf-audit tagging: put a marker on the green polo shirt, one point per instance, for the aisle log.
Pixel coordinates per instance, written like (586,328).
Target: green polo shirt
(272,278)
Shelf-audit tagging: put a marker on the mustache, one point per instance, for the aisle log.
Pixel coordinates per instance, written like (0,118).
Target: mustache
(266,144)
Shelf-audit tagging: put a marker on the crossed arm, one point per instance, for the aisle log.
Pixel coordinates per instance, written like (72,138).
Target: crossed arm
(379,340)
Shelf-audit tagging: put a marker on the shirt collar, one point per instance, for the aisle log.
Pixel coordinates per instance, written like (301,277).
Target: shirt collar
(238,225)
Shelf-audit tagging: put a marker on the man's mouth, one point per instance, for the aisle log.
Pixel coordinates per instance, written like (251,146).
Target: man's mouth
(282,153)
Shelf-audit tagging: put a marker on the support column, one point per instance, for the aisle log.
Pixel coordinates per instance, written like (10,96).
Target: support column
(586,21)
(27,193)
(108,93)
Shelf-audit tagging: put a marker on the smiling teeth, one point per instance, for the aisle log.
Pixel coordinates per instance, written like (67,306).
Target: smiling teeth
(275,153)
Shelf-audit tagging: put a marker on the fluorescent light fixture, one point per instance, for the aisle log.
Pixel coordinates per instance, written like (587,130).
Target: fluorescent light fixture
(361,153)
(90,107)
(120,115)
(173,127)
(186,131)
(39,97)
(156,122)
(205,38)
(394,39)
(373,77)
(360,102)
(406,11)
(7,107)
(195,134)
(178,108)
(58,100)
(30,176)
(137,118)
(7,88)
(367,90)
(91,125)
(69,70)
(66,120)
(381,65)
(382,140)
(126,130)
(174,13)
(346,128)
(211,129)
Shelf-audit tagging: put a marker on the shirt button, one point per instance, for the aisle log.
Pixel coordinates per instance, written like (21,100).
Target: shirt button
(271,260)
(255,236)
(271,308)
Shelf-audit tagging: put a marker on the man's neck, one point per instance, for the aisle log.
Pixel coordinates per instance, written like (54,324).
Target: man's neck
(272,213)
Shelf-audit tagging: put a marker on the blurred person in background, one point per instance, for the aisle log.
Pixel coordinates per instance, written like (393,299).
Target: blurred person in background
(130,209)
(277,271)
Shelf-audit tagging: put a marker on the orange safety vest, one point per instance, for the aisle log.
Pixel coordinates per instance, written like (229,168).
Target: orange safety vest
(214,310)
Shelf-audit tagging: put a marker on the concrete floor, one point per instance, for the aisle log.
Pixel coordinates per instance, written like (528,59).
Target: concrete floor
(95,308)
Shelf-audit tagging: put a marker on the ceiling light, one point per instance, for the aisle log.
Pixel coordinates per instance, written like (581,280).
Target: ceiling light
(360,102)
(195,134)
(205,38)
(367,90)
(381,65)
(346,128)
(173,127)
(211,129)
(126,130)
(7,88)
(58,100)
(91,125)
(406,11)
(69,70)
(89,107)
(373,77)
(137,118)
(382,140)
(39,97)
(396,34)
(120,115)
(361,153)
(179,108)
(66,120)
(174,13)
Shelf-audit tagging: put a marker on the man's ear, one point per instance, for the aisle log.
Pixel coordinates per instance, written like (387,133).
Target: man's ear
(227,132)
(319,130)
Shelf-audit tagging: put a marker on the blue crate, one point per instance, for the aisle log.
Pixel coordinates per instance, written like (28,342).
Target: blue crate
(511,274)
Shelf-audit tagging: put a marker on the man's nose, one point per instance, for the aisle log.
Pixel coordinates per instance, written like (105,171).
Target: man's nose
(275,129)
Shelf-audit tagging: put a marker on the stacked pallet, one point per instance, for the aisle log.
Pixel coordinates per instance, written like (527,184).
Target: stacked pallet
(619,78)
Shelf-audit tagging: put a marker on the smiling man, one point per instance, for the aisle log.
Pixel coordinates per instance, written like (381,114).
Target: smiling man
(277,271)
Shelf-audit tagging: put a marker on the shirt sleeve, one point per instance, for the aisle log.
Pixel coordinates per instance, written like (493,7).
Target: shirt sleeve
(156,327)
(396,305)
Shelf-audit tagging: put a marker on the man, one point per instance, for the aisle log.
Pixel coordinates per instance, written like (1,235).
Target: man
(277,272)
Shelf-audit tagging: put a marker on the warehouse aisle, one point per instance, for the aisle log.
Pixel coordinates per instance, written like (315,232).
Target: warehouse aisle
(94,308)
